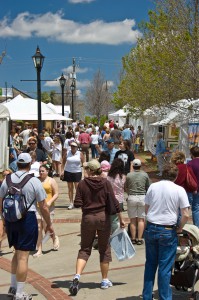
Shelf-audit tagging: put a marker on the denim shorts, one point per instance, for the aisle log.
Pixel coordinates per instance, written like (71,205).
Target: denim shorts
(23,234)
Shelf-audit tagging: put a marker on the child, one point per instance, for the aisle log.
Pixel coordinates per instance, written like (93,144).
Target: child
(105,167)
(57,155)
(137,143)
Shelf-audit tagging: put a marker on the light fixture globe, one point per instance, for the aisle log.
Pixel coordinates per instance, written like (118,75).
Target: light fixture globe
(38,59)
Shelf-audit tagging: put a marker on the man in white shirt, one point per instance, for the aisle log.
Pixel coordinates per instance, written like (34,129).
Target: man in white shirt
(47,144)
(163,201)
(25,134)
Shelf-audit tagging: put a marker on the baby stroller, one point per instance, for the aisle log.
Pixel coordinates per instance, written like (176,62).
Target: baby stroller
(185,273)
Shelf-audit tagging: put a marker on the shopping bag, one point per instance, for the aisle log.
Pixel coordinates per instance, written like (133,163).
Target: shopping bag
(121,244)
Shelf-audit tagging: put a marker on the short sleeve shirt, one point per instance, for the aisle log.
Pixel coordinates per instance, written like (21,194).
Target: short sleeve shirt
(165,198)
(32,190)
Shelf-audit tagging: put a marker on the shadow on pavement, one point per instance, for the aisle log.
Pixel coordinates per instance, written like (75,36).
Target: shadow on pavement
(82,285)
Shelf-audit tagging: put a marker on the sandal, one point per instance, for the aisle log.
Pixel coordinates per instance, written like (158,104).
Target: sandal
(36,255)
(56,243)
(140,242)
(134,241)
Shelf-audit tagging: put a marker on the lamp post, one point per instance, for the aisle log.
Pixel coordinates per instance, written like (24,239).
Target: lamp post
(62,82)
(38,60)
(72,87)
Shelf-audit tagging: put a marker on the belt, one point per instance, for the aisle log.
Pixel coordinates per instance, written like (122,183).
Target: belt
(160,225)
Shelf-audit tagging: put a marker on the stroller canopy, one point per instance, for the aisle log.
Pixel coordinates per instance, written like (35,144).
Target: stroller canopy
(194,231)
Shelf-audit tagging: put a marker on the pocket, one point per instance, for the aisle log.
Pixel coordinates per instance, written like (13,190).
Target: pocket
(167,238)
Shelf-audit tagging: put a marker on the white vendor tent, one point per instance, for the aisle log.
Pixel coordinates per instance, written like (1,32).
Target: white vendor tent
(120,116)
(58,110)
(24,109)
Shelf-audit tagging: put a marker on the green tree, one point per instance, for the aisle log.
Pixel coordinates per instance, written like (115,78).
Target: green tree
(45,97)
(163,67)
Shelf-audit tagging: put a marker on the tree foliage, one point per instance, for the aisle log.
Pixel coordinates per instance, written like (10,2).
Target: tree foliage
(163,67)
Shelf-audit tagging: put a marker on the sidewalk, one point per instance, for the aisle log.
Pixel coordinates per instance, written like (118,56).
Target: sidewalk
(49,276)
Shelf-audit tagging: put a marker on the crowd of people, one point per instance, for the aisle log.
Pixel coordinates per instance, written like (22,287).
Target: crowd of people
(99,164)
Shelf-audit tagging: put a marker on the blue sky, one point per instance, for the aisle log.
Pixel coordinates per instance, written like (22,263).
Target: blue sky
(97,33)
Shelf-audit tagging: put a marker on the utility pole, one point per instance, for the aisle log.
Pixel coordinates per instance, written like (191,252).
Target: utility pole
(73,90)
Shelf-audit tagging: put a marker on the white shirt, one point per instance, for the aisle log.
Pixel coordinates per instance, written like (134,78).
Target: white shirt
(47,144)
(94,139)
(73,162)
(165,198)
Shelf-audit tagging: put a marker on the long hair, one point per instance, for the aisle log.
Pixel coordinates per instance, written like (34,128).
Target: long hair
(117,167)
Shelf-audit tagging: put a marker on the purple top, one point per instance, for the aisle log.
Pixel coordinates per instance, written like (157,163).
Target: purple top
(194,164)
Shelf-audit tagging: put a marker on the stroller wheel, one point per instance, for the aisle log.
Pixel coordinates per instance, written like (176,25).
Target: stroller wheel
(194,296)
(185,288)
(178,287)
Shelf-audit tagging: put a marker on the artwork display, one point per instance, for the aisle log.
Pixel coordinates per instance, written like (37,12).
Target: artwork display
(193,135)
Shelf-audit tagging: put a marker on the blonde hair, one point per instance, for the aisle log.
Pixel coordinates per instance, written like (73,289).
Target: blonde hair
(178,157)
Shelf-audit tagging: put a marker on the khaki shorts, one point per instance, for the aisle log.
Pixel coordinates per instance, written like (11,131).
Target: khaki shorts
(39,216)
(136,206)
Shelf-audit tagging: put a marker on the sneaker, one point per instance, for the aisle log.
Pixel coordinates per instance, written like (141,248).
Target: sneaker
(70,206)
(74,287)
(11,291)
(105,284)
(24,296)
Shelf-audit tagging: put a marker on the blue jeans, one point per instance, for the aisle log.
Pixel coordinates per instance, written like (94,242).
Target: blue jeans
(161,245)
(194,202)
(94,151)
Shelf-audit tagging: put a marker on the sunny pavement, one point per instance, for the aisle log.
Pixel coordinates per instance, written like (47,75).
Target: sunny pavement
(50,275)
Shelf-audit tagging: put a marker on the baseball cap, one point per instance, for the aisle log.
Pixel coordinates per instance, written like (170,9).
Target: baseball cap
(136,162)
(73,144)
(92,164)
(105,166)
(24,158)
(110,141)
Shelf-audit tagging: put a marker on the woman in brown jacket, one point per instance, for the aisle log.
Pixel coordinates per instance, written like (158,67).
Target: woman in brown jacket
(91,197)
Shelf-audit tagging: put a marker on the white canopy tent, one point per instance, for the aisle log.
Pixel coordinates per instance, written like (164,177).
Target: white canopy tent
(58,110)
(24,109)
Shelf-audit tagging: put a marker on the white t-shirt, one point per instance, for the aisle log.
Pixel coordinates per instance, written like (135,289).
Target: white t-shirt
(47,144)
(165,198)
(94,139)
(67,143)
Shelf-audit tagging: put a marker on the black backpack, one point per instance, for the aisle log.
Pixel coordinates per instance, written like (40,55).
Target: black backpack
(14,205)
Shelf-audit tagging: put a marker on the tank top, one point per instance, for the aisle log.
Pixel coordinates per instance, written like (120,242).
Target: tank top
(73,162)
(48,189)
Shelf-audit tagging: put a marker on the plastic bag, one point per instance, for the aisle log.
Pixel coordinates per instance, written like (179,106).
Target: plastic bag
(121,244)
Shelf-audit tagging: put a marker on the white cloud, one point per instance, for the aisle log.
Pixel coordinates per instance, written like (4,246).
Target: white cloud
(78,70)
(80,1)
(80,84)
(54,27)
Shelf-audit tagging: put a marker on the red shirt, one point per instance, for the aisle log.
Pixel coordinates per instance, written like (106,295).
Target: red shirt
(84,138)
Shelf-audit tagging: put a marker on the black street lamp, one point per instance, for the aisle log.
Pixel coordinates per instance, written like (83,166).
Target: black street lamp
(72,87)
(62,82)
(38,60)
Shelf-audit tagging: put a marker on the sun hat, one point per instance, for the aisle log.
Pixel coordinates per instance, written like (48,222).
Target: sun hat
(73,144)
(24,158)
(105,166)
(92,164)
(137,163)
